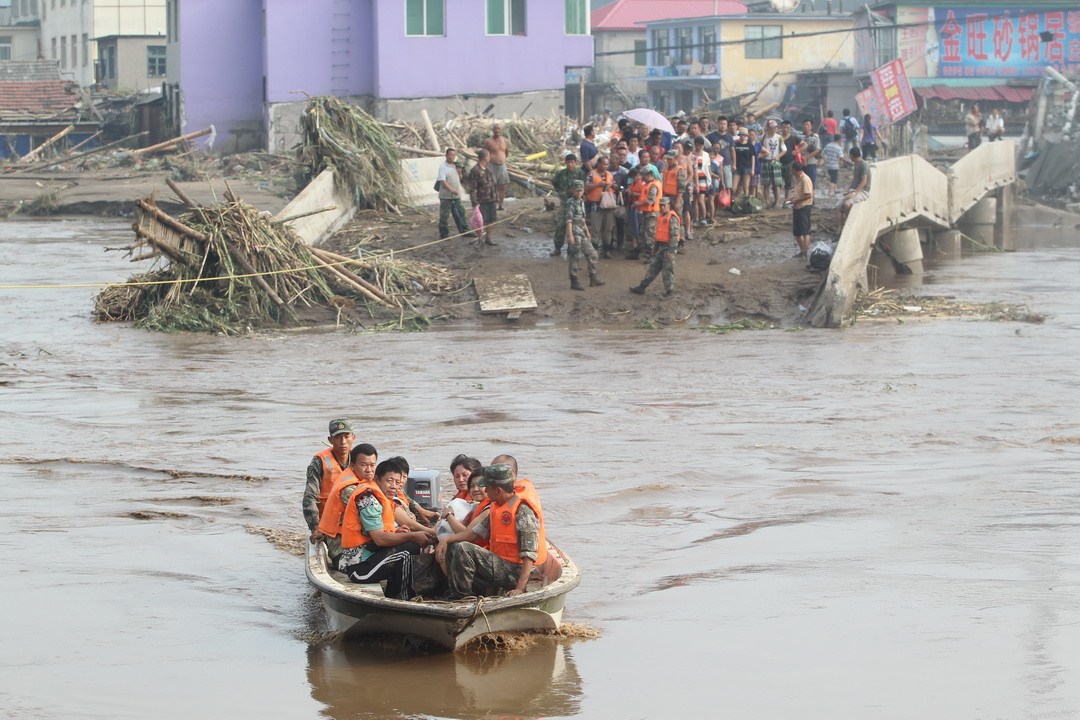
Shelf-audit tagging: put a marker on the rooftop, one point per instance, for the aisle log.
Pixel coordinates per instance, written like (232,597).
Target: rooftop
(28,70)
(631,14)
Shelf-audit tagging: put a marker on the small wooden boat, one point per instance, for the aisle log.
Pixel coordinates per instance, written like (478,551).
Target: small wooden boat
(363,609)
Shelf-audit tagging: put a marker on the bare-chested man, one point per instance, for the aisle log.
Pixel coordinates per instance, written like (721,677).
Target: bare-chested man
(498,151)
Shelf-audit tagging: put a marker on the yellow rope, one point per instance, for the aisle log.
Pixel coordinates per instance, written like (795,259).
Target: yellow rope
(359,261)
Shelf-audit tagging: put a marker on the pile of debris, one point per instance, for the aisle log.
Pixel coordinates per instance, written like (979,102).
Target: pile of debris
(228,268)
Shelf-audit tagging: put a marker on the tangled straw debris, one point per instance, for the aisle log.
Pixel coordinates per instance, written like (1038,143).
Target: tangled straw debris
(365,160)
(889,303)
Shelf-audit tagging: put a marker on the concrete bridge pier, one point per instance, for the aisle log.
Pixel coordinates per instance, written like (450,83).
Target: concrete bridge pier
(1003,221)
(980,223)
(947,244)
(907,249)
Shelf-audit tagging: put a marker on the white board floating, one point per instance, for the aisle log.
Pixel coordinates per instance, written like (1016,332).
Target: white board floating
(504,294)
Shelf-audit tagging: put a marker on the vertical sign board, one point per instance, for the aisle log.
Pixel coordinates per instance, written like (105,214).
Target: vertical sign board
(893,91)
(870,104)
(996,41)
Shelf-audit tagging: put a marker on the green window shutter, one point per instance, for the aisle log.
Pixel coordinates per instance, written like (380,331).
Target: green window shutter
(496,17)
(436,24)
(640,52)
(414,17)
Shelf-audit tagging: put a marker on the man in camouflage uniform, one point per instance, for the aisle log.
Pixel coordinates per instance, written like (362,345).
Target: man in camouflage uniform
(561,181)
(663,258)
(579,238)
(653,191)
(472,570)
(340,439)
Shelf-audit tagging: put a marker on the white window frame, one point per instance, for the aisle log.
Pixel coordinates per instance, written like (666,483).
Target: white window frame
(164,57)
(566,20)
(779,37)
(405,20)
(508,24)
(9,45)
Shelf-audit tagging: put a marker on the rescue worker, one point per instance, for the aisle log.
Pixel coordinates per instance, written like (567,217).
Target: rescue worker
(515,533)
(373,549)
(562,181)
(326,468)
(362,470)
(579,239)
(674,178)
(648,204)
(667,241)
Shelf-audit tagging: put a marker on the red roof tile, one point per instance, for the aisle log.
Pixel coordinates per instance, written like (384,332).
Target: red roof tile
(990,93)
(629,14)
(40,97)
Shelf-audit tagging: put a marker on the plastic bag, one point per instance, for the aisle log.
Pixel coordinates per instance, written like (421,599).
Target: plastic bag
(607,200)
(476,220)
(821,254)
(746,205)
(724,198)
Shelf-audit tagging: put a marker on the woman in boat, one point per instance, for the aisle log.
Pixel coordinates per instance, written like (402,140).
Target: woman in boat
(461,468)
(459,512)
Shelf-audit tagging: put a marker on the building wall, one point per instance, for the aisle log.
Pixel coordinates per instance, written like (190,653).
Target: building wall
(131,62)
(740,74)
(89,19)
(319,47)
(24,41)
(221,70)
(620,70)
(467,61)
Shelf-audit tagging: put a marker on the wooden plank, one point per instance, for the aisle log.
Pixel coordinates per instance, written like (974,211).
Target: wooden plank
(504,293)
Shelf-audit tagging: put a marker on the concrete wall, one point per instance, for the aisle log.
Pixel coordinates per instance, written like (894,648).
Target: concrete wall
(904,189)
(417,67)
(221,71)
(131,62)
(740,74)
(620,69)
(24,42)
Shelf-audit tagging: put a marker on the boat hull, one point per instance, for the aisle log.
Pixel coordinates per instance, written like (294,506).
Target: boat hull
(363,610)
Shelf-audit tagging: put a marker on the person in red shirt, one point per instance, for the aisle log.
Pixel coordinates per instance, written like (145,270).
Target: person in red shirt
(829,124)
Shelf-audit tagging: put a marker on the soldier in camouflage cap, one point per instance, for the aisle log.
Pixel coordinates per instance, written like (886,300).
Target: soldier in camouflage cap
(562,181)
(325,469)
(472,570)
(579,239)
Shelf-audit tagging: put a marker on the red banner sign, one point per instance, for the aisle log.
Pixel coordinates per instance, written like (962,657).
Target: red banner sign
(893,91)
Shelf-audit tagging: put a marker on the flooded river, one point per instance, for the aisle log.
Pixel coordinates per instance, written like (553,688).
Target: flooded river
(881,522)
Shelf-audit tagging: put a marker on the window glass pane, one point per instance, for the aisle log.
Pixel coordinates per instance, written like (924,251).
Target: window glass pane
(496,17)
(639,53)
(435,24)
(414,17)
(517,17)
(707,51)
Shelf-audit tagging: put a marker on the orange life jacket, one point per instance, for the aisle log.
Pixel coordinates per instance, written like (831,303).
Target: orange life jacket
(671,181)
(502,524)
(352,532)
(334,512)
(663,226)
(644,197)
(331,473)
(636,189)
(462,495)
(594,194)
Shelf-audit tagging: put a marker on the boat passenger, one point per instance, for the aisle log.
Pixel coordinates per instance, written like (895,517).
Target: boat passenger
(462,468)
(515,533)
(374,548)
(459,512)
(362,470)
(326,468)
(412,515)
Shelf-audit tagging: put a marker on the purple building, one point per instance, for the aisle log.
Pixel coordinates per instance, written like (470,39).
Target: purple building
(245,66)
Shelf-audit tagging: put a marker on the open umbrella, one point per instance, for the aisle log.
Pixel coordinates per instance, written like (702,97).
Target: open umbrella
(648,116)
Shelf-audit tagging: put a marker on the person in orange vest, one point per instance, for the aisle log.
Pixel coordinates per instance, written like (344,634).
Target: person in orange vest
(648,204)
(326,468)
(514,530)
(667,240)
(373,548)
(362,470)
(461,467)
(601,182)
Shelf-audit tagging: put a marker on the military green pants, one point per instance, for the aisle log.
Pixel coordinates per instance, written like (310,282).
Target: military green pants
(648,233)
(663,261)
(560,225)
(472,570)
(582,247)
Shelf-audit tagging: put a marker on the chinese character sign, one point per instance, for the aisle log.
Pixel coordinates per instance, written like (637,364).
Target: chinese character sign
(994,42)
(870,104)
(893,91)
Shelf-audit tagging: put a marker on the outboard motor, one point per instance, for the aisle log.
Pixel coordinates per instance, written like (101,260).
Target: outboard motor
(423,487)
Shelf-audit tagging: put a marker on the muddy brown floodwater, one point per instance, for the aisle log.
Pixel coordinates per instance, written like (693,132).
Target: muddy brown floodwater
(880,522)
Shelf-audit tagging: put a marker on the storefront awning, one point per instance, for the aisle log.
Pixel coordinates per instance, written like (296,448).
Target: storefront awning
(984,93)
